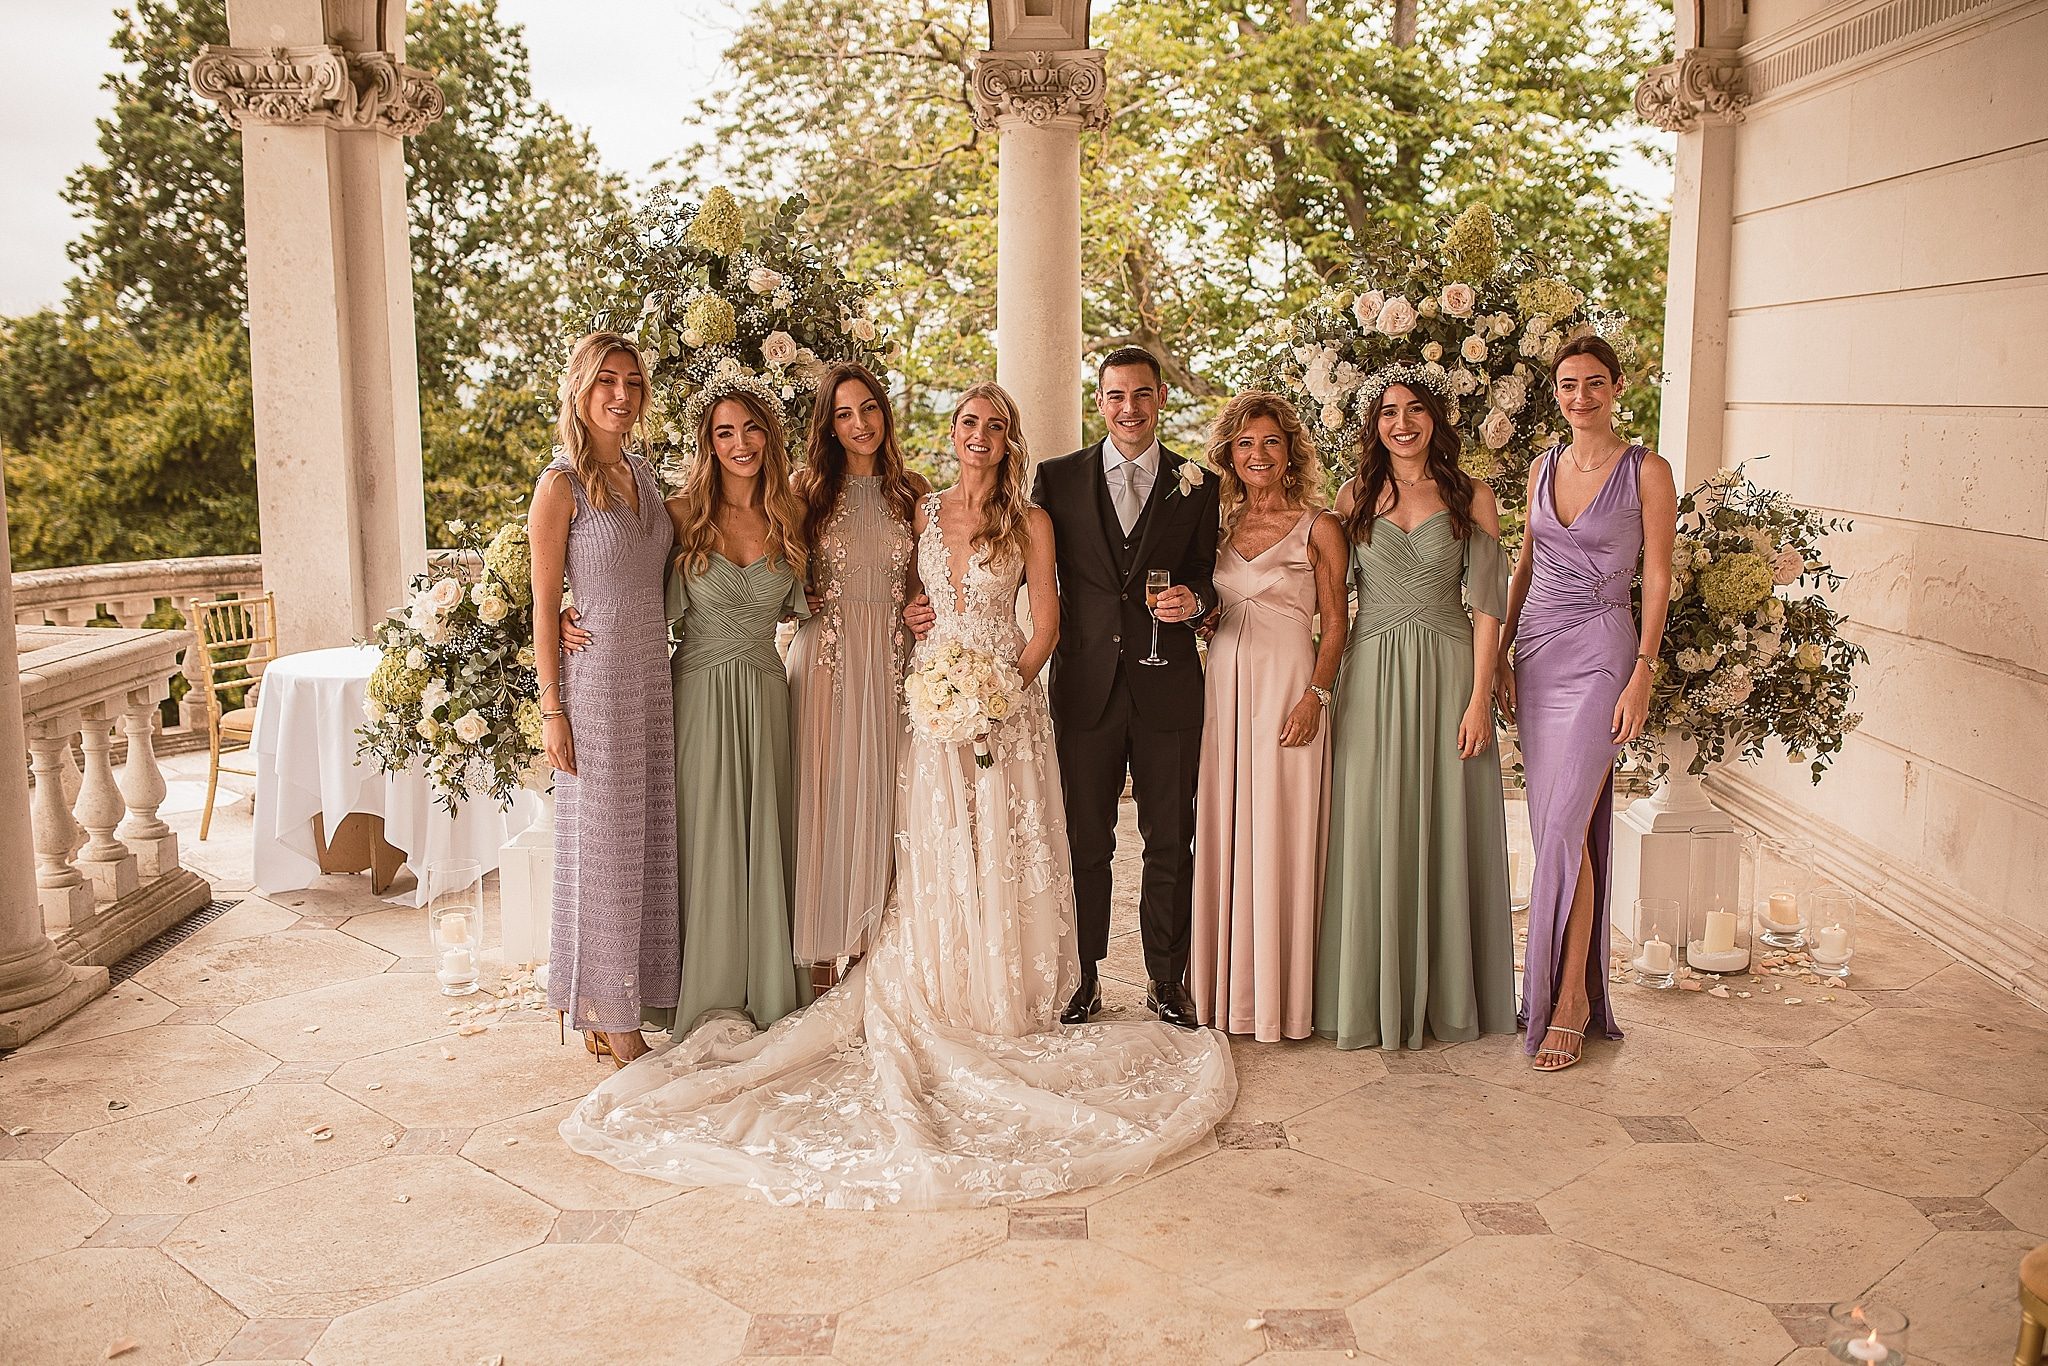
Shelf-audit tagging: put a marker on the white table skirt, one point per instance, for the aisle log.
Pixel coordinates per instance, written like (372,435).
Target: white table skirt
(308,712)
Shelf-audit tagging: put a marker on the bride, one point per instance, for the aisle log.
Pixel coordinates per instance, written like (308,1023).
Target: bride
(936,1073)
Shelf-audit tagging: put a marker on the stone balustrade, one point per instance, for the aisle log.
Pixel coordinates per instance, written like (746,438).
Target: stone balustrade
(107,870)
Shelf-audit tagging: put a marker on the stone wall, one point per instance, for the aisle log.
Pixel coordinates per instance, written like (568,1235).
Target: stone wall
(1887,347)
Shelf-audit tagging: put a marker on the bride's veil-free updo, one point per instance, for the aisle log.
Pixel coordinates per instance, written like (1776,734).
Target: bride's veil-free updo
(1002,531)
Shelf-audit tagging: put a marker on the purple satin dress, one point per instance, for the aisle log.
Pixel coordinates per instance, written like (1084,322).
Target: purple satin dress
(1575,647)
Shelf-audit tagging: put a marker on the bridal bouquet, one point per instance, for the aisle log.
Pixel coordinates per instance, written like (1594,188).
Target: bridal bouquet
(454,694)
(958,694)
(1743,660)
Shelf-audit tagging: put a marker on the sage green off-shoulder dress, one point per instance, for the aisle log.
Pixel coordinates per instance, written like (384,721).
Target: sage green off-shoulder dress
(735,792)
(1416,931)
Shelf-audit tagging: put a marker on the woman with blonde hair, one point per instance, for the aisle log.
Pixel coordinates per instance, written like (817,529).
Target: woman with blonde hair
(846,665)
(936,1073)
(606,725)
(1262,805)
(738,572)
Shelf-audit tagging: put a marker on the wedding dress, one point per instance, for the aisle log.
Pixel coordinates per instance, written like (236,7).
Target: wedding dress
(936,1074)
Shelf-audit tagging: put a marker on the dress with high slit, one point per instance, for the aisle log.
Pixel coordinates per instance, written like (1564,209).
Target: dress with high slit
(1575,648)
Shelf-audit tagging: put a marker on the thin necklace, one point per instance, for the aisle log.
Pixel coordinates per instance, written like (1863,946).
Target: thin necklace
(1597,465)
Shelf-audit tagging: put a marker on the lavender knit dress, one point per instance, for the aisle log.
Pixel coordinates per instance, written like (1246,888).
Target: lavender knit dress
(613,940)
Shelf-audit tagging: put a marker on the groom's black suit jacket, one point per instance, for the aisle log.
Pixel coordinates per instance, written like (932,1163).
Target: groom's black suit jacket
(1102,589)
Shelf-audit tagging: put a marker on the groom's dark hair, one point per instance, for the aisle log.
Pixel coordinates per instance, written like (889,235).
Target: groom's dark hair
(1130,355)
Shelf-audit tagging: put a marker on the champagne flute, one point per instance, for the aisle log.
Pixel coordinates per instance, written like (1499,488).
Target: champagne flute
(1157,581)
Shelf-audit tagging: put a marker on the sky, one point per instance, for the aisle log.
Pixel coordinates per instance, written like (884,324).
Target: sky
(631,80)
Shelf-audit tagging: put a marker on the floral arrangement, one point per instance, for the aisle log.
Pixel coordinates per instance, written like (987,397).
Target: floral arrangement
(958,694)
(1743,661)
(454,694)
(707,299)
(1482,320)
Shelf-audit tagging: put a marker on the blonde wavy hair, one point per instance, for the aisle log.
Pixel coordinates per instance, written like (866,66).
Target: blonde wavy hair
(703,492)
(586,358)
(1002,531)
(1303,480)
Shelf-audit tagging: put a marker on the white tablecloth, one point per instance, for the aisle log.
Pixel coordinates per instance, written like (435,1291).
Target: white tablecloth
(308,711)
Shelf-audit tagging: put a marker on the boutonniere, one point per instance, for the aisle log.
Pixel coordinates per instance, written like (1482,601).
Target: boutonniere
(1190,475)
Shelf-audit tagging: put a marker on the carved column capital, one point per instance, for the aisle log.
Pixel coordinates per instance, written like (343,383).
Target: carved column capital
(1039,88)
(320,85)
(1704,86)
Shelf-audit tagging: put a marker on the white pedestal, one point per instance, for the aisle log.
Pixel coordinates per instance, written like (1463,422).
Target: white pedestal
(526,881)
(1652,853)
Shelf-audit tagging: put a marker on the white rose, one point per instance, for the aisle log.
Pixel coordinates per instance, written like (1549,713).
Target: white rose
(1497,430)
(434,696)
(470,727)
(493,610)
(444,594)
(1464,383)
(779,348)
(373,711)
(1537,326)
(782,301)
(728,368)
(1397,318)
(416,659)
(1809,658)
(426,728)
(763,280)
(1502,324)
(1509,395)
(478,591)
(1459,300)
(1473,349)
(1367,309)
(1333,416)
(692,338)
(1787,567)
(864,331)
(1433,351)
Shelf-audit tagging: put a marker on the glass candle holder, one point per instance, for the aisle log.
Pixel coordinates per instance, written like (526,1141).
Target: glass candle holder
(1865,1334)
(1717,933)
(455,920)
(1660,927)
(1832,937)
(1787,878)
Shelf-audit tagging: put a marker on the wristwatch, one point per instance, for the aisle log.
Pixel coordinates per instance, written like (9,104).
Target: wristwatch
(1322,695)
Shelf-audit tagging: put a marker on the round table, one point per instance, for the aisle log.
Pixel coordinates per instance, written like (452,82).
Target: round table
(307,714)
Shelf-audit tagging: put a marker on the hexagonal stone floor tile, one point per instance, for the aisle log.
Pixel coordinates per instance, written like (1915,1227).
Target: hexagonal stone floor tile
(1958,1290)
(1277,1081)
(346,1239)
(1891,957)
(1993,1063)
(1035,1302)
(356,1018)
(1896,1138)
(1653,1072)
(70,1307)
(402,930)
(250,917)
(67,1089)
(1541,1301)
(236,1144)
(511,1068)
(537,1161)
(771,1260)
(233,972)
(45,1213)
(1458,1138)
(573,1306)
(1272,1227)
(1762,1021)
(1963,989)
(126,1006)
(1724,1218)
(2023,1196)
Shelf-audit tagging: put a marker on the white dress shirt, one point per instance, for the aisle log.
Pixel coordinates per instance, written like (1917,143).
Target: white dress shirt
(1144,472)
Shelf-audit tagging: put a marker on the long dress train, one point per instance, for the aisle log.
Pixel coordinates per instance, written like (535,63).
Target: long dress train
(935,1074)
(1575,649)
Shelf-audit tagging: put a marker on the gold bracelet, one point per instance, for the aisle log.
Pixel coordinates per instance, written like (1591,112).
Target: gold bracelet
(551,715)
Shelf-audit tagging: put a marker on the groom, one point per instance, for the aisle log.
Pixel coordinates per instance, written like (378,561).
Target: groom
(1119,508)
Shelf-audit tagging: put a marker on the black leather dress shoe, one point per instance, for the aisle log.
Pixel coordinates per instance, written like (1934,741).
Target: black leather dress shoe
(1170,1002)
(1086,1000)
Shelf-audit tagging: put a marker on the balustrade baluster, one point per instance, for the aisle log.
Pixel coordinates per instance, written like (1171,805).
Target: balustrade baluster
(104,859)
(154,844)
(65,893)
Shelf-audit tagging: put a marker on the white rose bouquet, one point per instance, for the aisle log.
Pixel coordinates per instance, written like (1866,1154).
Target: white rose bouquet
(454,694)
(958,694)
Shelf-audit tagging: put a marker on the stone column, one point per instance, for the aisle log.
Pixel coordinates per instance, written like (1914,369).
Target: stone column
(37,988)
(322,99)
(1700,97)
(1038,103)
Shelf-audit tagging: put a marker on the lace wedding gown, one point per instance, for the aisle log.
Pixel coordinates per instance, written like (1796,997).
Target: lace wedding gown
(936,1074)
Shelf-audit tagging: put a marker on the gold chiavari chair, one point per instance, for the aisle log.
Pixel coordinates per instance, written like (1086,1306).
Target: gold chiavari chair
(236,638)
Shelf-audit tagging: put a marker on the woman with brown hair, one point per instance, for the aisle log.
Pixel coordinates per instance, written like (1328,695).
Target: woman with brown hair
(846,666)
(738,572)
(606,724)
(1416,934)
(1262,805)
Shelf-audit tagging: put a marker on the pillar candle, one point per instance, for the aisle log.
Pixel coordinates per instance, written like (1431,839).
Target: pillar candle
(1784,912)
(1720,931)
(1656,957)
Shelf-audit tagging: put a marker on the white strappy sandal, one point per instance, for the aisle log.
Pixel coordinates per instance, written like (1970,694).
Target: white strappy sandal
(1571,1058)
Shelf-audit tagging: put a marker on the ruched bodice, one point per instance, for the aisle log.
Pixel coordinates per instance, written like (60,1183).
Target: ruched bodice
(1425,577)
(726,612)
(1583,571)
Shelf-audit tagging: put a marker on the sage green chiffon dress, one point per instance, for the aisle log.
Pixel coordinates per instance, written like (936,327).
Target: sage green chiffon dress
(735,793)
(1416,932)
